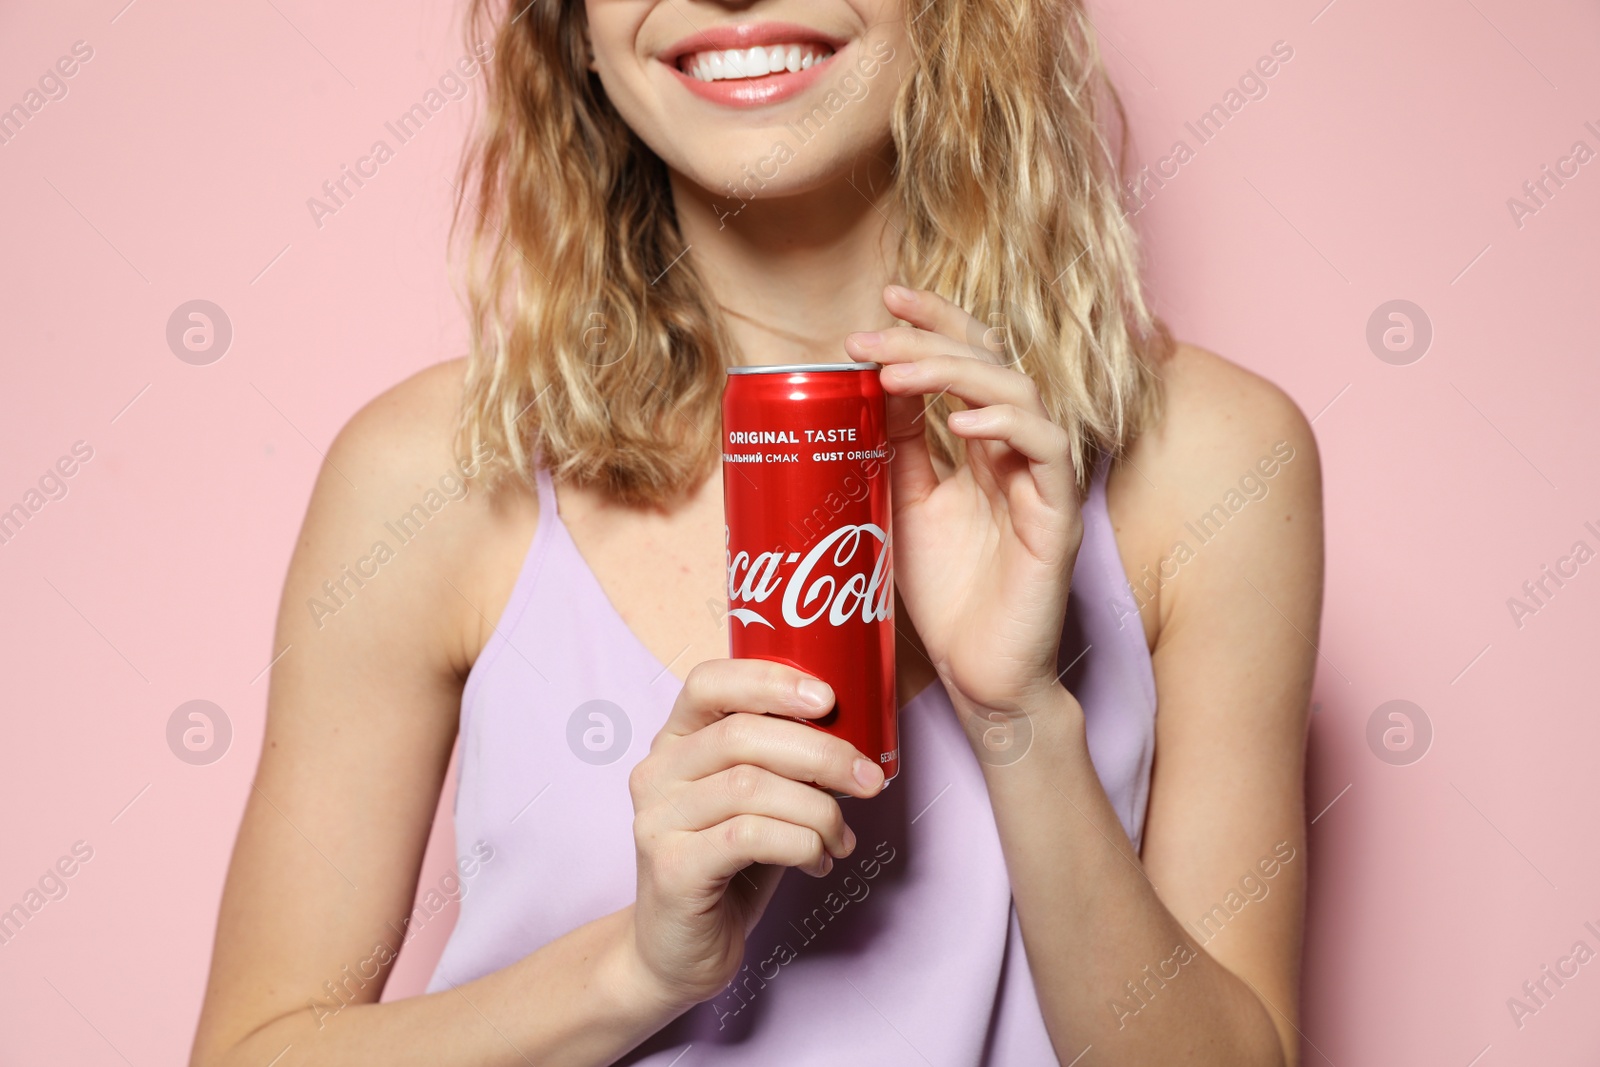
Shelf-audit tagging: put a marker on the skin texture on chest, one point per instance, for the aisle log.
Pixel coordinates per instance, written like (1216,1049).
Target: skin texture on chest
(664,574)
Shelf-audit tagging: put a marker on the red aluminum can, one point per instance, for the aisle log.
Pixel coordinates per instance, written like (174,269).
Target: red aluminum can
(805,482)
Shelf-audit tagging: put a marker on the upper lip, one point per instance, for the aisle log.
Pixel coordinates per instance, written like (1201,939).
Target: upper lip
(747,35)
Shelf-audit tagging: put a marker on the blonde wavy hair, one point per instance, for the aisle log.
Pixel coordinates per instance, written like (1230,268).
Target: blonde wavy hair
(1006,190)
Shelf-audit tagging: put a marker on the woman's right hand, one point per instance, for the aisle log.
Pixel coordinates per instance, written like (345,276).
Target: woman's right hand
(732,791)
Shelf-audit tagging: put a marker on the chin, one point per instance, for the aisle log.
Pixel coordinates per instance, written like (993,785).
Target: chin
(769,169)
(732,189)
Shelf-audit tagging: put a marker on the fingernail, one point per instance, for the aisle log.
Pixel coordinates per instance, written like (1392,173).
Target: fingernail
(814,693)
(900,370)
(867,340)
(827,863)
(964,418)
(849,840)
(900,292)
(868,774)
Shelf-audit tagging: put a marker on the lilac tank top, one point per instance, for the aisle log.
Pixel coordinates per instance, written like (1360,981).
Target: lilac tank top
(909,951)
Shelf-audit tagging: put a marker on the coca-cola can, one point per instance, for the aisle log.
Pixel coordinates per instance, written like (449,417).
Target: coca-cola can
(805,482)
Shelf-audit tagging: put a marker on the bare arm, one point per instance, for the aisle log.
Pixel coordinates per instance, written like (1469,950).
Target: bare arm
(983,561)
(362,715)
(361,718)
(1193,950)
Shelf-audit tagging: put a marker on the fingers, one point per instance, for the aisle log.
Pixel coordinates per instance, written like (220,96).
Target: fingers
(902,343)
(932,312)
(914,364)
(936,355)
(792,749)
(1044,444)
(917,363)
(918,360)
(745,789)
(911,473)
(731,846)
(718,688)
(1035,436)
(732,779)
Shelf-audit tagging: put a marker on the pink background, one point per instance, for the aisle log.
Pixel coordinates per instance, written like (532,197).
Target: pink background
(1378,167)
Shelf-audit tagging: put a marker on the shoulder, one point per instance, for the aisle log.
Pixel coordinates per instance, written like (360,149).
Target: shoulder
(1230,449)
(1229,507)
(397,451)
(404,428)
(1217,415)
(396,493)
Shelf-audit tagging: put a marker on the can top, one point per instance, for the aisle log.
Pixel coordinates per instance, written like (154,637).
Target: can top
(802,368)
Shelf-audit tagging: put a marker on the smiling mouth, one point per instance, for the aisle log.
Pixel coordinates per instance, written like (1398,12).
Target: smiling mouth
(742,64)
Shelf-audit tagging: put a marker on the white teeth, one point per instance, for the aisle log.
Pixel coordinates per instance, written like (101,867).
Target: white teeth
(753,62)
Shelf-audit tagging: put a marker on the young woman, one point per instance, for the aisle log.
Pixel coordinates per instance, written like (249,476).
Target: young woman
(1089,523)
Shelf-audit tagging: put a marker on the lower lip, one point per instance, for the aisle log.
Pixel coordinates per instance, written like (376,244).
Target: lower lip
(753,92)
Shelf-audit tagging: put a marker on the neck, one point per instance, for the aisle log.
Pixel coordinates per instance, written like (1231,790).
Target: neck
(794,275)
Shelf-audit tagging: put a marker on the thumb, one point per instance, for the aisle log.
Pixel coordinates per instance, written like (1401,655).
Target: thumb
(911,473)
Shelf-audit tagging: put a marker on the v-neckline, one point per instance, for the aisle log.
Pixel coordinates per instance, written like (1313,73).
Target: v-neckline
(616,616)
(659,668)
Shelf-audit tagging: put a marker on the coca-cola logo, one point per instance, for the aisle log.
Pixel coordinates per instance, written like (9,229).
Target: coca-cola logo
(844,576)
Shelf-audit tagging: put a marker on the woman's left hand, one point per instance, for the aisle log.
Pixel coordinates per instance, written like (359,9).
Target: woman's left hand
(982,559)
